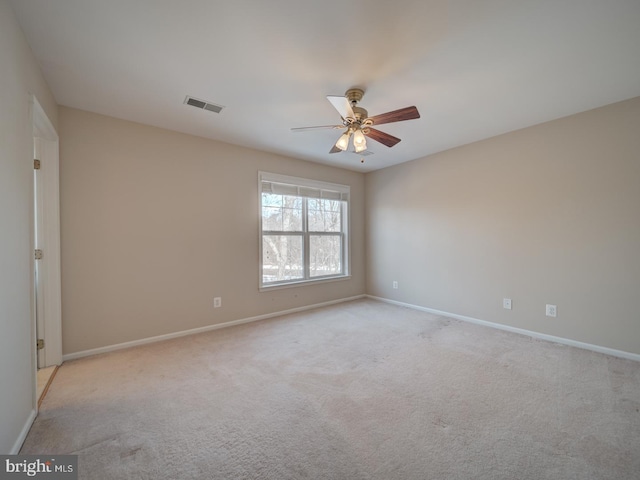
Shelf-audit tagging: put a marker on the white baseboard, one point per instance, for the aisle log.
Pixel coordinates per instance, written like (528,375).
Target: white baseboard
(168,336)
(23,433)
(521,331)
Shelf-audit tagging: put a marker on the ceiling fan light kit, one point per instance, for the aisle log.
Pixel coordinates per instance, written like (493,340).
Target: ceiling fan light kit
(343,141)
(359,142)
(358,124)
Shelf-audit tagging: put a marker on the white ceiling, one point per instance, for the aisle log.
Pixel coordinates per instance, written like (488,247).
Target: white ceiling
(474,69)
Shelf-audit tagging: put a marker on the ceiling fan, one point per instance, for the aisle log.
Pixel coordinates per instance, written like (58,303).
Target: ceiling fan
(359,125)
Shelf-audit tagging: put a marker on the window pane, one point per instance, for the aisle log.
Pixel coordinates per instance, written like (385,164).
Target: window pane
(292,214)
(282,258)
(271,218)
(281,213)
(325,215)
(271,200)
(325,255)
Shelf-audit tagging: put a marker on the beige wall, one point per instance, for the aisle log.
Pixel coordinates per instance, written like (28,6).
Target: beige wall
(19,77)
(548,214)
(155,224)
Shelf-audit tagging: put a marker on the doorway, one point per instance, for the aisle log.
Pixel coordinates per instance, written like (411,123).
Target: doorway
(47,314)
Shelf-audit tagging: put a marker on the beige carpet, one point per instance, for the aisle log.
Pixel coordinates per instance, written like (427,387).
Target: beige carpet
(362,390)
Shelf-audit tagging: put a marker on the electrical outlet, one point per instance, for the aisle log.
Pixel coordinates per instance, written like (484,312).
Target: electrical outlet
(506,303)
(395,285)
(552,310)
(217,302)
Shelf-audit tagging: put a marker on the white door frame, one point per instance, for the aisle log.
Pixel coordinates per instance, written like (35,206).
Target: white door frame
(46,138)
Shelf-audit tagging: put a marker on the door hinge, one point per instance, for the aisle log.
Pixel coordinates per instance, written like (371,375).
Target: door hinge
(40,343)
(36,164)
(39,254)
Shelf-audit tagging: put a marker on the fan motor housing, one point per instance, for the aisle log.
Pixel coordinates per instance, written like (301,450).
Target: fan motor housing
(360,113)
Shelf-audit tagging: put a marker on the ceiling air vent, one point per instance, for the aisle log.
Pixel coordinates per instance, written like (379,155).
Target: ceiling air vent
(194,102)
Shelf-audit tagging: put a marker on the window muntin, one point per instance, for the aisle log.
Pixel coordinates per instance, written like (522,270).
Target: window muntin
(304,230)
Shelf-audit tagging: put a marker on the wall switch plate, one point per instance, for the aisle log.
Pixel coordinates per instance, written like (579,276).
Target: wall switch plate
(217,302)
(506,303)
(552,310)
(395,285)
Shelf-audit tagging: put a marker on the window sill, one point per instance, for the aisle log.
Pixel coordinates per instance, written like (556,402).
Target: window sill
(303,283)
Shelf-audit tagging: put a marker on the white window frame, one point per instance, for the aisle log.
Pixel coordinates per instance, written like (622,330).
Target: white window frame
(301,183)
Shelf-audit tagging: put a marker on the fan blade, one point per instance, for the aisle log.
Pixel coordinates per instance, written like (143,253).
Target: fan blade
(335,150)
(304,129)
(342,105)
(383,138)
(407,113)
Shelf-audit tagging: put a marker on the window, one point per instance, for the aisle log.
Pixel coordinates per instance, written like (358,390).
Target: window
(304,230)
